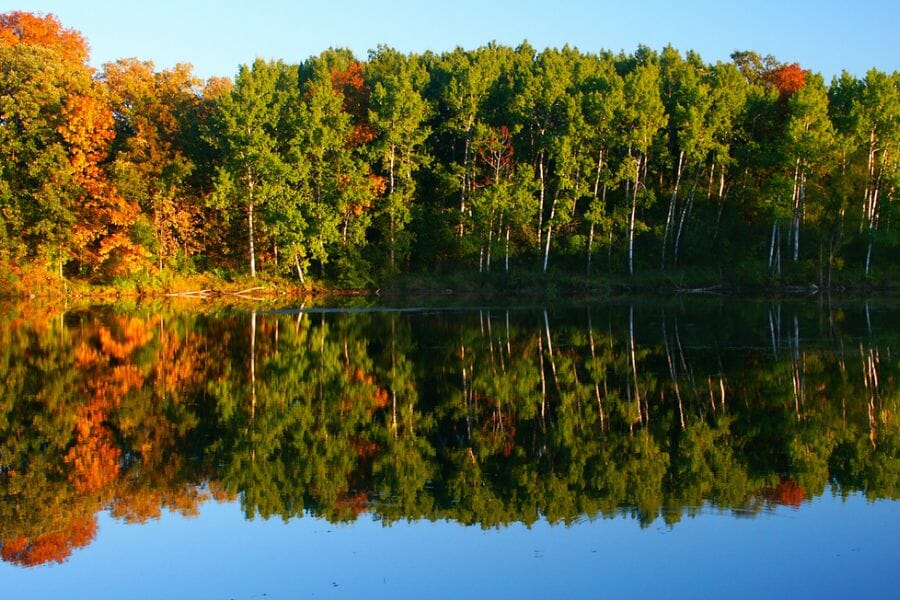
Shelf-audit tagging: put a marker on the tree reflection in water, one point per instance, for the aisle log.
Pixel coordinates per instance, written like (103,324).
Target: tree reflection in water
(484,417)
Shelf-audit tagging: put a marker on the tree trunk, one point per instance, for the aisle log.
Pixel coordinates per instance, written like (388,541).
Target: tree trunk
(391,172)
(299,269)
(772,244)
(541,202)
(671,214)
(391,206)
(593,201)
(721,199)
(462,193)
(795,224)
(490,243)
(506,257)
(549,231)
(590,248)
(391,241)
(868,258)
(872,208)
(870,181)
(252,249)
(685,211)
(637,173)
(778,251)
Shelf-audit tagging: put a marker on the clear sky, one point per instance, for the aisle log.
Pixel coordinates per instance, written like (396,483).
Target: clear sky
(218,35)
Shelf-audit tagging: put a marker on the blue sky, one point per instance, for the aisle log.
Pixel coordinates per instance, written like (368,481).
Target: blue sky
(218,35)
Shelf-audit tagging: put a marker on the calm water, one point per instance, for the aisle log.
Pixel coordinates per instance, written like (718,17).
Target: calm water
(694,448)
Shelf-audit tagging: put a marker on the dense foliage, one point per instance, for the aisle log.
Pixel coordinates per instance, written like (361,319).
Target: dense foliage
(485,159)
(482,417)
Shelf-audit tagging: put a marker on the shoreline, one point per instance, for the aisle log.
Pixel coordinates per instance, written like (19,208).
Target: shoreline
(458,286)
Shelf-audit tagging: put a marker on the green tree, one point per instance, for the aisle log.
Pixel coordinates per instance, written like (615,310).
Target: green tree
(338,184)
(253,172)
(397,114)
(37,180)
(470,77)
(603,102)
(877,114)
(810,136)
(644,115)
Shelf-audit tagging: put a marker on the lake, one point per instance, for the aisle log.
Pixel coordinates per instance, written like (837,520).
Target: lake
(692,447)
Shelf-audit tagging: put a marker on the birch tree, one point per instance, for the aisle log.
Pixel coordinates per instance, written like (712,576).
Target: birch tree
(246,125)
(644,116)
(602,104)
(398,114)
(810,136)
(877,114)
(470,79)
(690,137)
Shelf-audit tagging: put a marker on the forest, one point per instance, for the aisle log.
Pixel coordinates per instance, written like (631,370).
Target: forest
(495,160)
(481,417)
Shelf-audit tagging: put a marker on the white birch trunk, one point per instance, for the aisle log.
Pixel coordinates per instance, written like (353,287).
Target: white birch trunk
(796,205)
(772,244)
(462,193)
(299,269)
(490,243)
(590,248)
(541,201)
(391,206)
(637,173)
(506,256)
(549,232)
(250,228)
(671,214)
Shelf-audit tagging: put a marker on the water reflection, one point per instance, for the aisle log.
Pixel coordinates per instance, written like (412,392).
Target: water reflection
(483,417)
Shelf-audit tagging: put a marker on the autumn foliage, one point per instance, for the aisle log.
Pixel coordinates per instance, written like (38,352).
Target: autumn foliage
(788,79)
(99,239)
(788,493)
(42,30)
(351,83)
(104,217)
(49,547)
(116,416)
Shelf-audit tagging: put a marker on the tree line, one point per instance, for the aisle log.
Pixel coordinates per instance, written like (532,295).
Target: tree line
(483,417)
(482,160)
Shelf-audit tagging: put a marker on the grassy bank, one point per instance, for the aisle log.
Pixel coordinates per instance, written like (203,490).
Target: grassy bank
(20,282)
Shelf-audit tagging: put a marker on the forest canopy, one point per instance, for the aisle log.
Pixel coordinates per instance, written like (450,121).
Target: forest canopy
(490,160)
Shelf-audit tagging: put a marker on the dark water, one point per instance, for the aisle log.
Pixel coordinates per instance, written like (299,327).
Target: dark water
(692,448)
